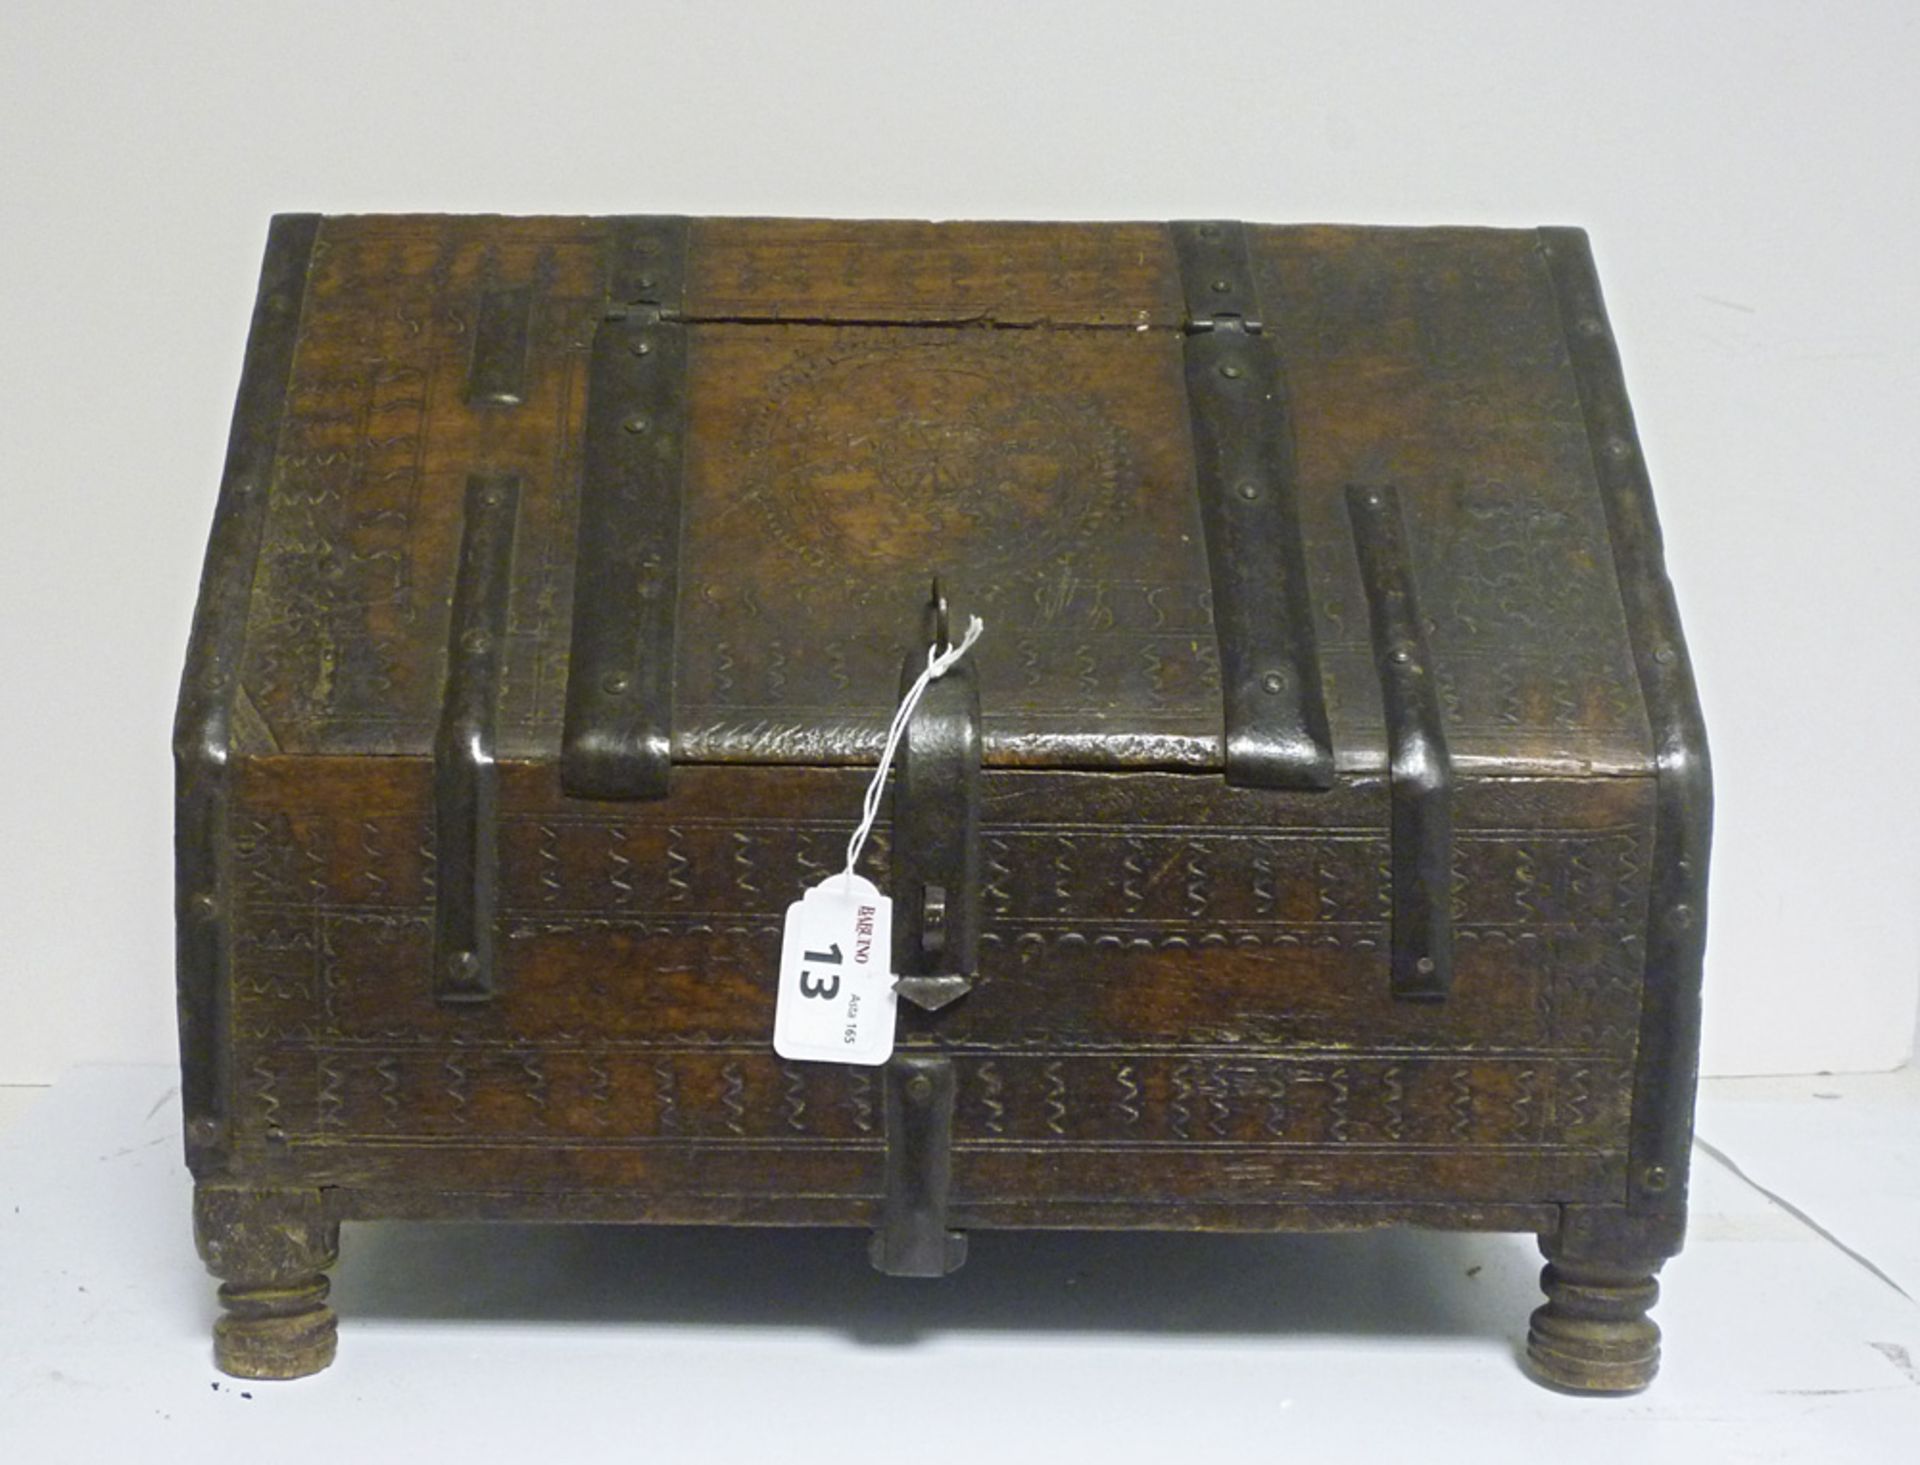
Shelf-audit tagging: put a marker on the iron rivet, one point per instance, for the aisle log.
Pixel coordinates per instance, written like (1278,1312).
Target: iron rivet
(1273,682)
(204,905)
(920,1088)
(1249,491)
(1222,287)
(615,683)
(1373,499)
(636,424)
(1655,1177)
(1424,966)
(492,498)
(475,642)
(1665,656)
(640,346)
(1591,325)
(1401,656)
(1230,371)
(203,1130)
(644,282)
(1618,448)
(243,486)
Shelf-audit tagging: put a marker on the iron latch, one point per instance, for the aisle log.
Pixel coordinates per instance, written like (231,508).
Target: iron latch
(936,829)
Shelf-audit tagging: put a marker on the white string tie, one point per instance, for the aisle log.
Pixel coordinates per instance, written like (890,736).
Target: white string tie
(939,663)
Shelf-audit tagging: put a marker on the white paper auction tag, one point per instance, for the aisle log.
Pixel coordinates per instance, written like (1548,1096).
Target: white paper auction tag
(836,1002)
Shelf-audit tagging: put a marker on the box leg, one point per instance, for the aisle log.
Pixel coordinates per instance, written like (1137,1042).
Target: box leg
(271,1249)
(1593,1336)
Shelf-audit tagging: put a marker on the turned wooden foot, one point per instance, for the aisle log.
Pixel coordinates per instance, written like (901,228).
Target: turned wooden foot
(271,1248)
(1593,1336)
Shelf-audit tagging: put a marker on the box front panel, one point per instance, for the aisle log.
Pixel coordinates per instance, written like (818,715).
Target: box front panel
(1183,997)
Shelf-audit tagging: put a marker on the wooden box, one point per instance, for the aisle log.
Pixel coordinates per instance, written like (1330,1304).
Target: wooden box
(1316,837)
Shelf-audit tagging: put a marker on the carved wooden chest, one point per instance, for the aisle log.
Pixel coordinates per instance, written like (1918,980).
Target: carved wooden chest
(1316,838)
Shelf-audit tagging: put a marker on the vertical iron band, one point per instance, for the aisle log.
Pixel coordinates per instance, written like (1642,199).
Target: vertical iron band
(466,779)
(203,720)
(1420,770)
(617,739)
(1276,733)
(1669,1050)
(912,1239)
(647,262)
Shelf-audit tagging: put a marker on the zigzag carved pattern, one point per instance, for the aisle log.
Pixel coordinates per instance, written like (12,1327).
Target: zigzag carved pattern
(718,1095)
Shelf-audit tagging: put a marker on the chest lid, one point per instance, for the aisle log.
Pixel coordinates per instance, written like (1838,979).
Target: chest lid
(708,469)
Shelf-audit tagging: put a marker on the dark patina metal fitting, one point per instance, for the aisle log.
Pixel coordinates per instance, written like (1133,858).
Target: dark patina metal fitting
(616,742)
(936,828)
(647,264)
(1276,733)
(1216,274)
(1420,769)
(203,720)
(497,372)
(466,779)
(913,1239)
(1668,1062)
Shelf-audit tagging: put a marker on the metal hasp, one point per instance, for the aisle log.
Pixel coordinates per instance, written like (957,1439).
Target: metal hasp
(616,742)
(203,720)
(936,828)
(466,779)
(913,1239)
(1419,770)
(1276,733)
(1668,1065)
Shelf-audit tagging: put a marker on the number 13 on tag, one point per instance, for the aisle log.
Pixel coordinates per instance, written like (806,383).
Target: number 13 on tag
(835,1002)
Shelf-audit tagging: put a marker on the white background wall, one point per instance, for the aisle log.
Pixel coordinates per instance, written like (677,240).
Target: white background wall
(1748,172)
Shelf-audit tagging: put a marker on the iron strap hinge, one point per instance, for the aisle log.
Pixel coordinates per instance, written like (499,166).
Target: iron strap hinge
(618,734)
(1216,277)
(1275,731)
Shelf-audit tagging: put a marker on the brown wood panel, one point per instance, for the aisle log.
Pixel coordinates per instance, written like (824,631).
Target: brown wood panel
(1000,273)
(1046,472)
(822,1179)
(1170,964)
(1431,360)
(1044,476)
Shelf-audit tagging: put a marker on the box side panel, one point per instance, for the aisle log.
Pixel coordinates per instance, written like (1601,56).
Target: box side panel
(1183,994)
(1669,1059)
(211,699)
